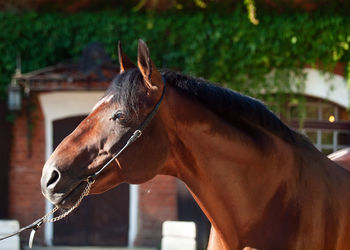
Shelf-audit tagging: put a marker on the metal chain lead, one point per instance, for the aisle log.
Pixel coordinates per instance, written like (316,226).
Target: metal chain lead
(86,192)
(45,219)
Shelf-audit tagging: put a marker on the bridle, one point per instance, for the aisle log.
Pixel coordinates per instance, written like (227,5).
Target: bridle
(89,180)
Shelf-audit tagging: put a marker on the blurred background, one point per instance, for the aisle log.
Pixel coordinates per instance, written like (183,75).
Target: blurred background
(57,58)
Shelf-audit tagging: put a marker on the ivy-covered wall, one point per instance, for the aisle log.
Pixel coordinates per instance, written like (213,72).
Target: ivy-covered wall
(222,47)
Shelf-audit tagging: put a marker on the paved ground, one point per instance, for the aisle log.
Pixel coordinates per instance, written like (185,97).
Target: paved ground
(84,248)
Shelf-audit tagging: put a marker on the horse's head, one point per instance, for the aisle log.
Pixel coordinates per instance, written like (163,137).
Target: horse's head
(126,104)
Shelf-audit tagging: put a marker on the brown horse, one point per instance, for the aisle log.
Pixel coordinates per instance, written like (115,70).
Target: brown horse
(261,184)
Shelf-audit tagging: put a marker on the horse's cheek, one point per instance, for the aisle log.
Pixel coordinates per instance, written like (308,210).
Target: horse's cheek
(141,166)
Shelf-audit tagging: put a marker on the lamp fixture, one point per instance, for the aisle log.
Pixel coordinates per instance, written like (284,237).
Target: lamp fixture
(14,90)
(14,100)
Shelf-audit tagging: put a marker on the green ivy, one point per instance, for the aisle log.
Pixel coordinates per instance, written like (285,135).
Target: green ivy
(224,48)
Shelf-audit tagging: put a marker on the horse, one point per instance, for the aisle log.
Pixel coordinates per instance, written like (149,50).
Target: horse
(261,184)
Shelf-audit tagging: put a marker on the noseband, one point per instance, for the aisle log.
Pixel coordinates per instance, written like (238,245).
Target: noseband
(89,180)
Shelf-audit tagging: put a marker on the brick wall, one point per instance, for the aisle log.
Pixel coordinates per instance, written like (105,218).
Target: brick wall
(26,203)
(157,203)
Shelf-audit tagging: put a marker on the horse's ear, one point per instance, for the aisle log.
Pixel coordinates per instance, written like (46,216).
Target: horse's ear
(151,75)
(124,61)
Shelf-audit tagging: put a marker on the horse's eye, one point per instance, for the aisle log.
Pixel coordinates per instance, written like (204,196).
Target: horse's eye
(118,116)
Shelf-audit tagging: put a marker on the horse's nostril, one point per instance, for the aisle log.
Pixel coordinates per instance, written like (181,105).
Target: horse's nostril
(54,178)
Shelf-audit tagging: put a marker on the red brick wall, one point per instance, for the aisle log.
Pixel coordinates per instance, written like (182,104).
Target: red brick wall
(157,203)
(26,203)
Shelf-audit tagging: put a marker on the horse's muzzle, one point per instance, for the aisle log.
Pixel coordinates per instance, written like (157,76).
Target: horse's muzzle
(59,189)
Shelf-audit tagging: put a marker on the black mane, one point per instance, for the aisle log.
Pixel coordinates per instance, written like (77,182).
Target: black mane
(246,114)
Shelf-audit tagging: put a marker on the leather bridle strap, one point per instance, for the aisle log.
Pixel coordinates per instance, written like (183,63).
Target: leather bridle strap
(90,179)
(36,224)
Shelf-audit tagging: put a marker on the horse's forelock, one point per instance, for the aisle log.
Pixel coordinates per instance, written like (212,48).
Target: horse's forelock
(125,89)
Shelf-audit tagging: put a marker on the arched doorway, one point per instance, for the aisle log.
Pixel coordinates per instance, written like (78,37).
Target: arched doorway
(99,220)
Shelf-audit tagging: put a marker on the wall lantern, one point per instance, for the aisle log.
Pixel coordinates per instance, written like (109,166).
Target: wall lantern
(14,96)
(14,90)
(14,101)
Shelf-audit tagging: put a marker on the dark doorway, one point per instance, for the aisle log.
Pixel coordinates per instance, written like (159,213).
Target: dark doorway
(5,148)
(100,219)
(188,210)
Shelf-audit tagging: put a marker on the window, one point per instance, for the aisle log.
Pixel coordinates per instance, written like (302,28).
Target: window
(326,124)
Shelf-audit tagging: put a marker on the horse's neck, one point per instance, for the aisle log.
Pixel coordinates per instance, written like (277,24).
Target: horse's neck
(284,197)
(231,179)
